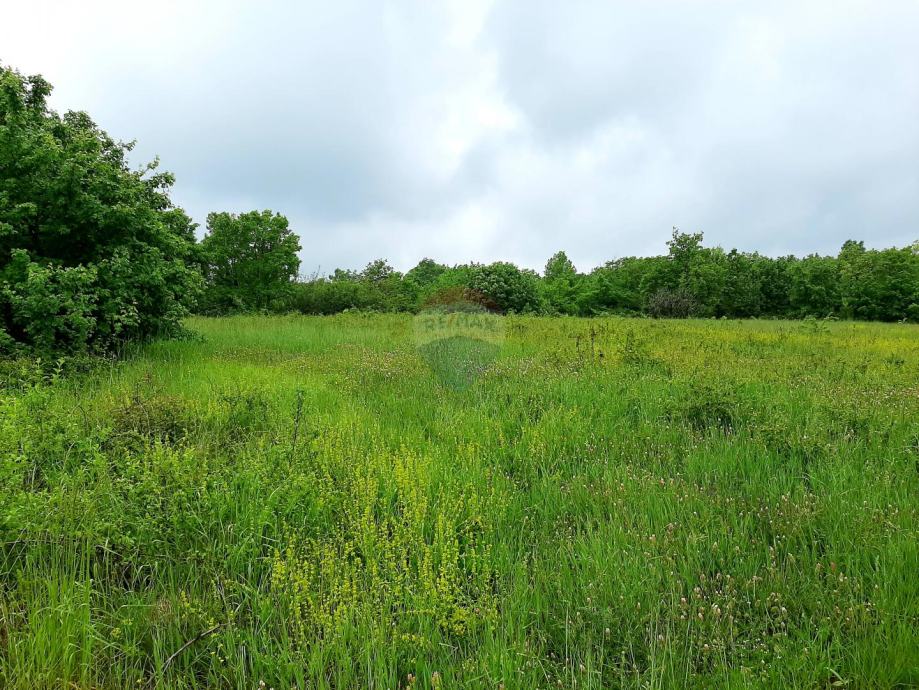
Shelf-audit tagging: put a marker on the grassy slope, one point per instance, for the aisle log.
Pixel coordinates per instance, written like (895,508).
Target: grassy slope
(615,503)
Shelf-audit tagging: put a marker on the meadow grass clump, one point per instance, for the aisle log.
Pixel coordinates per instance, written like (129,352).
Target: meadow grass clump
(317,502)
(163,418)
(709,407)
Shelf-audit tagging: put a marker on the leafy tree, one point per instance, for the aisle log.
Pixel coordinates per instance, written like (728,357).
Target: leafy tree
(251,260)
(510,288)
(742,294)
(684,249)
(878,285)
(377,271)
(92,252)
(560,285)
(389,292)
(559,267)
(657,273)
(426,273)
(691,280)
(705,280)
(814,286)
(450,283)
(614,287)
(344,274)
(694,270)
(774,285)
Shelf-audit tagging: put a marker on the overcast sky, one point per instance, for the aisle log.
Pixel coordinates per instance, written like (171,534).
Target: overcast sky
(478,130)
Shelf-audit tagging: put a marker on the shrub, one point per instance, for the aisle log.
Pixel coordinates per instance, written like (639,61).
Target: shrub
(321,296)
(510,288)
(667,303)
(91,252)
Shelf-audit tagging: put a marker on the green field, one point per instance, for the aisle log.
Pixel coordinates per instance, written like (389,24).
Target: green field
(321,502)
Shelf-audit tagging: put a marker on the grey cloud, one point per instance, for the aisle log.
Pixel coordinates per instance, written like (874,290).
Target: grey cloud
(575,66)
(479,130)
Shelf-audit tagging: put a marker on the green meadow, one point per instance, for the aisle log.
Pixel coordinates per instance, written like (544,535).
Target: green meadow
(326,502)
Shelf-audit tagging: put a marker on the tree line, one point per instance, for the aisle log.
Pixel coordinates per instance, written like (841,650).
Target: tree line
(690,280)
(94,253)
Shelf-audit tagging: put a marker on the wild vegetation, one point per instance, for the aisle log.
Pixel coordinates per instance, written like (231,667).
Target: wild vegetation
(690,280)
(460,498)
(93,254)
(308,502)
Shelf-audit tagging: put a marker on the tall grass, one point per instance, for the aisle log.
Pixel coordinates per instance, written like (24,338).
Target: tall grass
(303,502)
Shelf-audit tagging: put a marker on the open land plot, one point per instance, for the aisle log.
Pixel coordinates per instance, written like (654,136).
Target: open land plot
(329,502)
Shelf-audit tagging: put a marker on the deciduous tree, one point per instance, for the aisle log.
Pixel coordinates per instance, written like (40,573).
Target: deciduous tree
(251,260)
(92,252)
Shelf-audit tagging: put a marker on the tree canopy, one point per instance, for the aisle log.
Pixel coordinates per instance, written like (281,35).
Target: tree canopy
(92,252)
(691,279)
(251,260)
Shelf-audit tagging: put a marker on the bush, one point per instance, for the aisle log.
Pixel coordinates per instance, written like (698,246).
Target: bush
(321,296)
(667,303)
(508,287)
(92,253)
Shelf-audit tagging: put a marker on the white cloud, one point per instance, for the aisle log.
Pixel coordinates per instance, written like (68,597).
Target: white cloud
(472,130)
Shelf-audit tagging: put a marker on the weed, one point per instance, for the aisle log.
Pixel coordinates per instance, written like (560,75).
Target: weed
(304,503)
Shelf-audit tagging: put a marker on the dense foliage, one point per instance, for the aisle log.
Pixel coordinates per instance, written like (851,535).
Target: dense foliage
(613,503)
(94,253)
(91,252)
(690,280)
(251,260)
